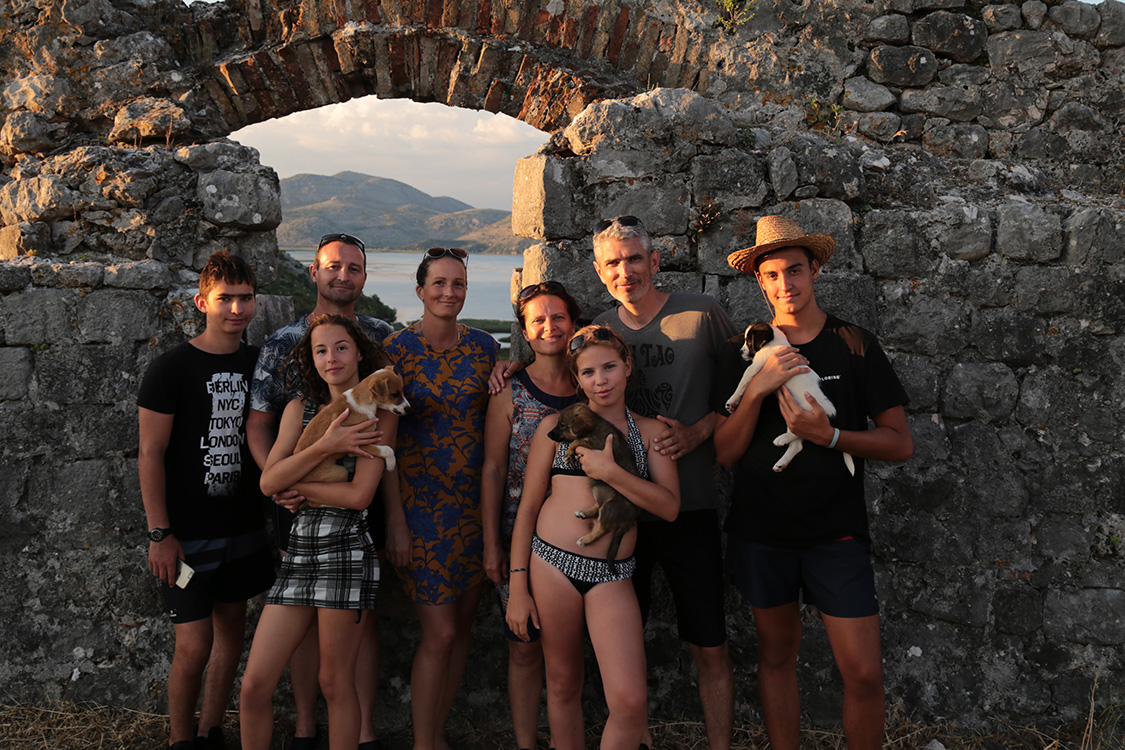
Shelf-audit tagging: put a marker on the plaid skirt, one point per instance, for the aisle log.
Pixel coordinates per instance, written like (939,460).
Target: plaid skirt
(331,562)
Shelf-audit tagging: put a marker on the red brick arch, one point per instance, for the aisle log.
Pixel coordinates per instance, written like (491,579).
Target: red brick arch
(539,61)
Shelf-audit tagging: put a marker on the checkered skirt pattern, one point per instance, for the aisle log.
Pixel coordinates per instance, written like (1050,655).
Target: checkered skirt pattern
(332,562)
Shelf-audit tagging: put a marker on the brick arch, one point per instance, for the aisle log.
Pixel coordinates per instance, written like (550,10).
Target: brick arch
(540,62)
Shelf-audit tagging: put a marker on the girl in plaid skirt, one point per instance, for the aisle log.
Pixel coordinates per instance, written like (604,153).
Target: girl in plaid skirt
(331,571)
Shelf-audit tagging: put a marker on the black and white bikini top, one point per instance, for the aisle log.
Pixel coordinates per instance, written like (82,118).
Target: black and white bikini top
(567,466)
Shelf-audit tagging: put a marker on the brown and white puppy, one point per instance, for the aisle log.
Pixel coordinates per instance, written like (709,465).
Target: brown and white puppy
(381,389)
(761,340)
(613,511)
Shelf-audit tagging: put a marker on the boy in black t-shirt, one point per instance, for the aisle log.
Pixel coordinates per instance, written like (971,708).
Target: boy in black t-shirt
(199,486)
(804,530)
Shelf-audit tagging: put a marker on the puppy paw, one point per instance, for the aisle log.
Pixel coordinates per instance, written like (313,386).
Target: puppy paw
(582,542)
(731,404)
(779,466)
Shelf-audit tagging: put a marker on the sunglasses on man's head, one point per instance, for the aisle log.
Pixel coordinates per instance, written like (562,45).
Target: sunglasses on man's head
(342,237)
(543,287)
(441,252)
(624,221)
(598,334)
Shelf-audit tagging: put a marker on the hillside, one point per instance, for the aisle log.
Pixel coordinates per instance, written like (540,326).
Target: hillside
(387,215)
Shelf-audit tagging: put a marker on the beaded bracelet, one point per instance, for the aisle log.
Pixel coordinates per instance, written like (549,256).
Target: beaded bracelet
(517,570)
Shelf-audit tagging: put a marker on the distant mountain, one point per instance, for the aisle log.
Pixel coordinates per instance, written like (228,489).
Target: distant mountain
(388,215)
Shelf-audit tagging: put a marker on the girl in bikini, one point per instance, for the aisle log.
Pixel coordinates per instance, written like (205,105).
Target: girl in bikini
(564,589)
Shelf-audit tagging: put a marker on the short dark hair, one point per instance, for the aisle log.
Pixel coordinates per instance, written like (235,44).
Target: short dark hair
(556,290)
(312,384)
(344,238)
(227,268)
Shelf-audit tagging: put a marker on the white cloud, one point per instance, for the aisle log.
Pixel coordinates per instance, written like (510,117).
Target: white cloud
(441,150)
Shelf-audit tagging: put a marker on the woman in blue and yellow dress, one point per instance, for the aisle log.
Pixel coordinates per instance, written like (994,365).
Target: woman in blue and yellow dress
(440,452)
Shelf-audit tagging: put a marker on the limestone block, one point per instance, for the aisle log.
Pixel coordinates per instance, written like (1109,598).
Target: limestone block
(830,166)
(95,430)
(1026,232)
(115,316)
(1034,13)
(1076,19)
(892,29)
(15,372)
(90,374)
(864,95)
(615,124)
(663,203)
(39,316)
(25,239)
(958,140)
(880,126)
(25,133)
(148,118)
(693,118)
(1009,335)
(37,93)
(1018,610)
(893,246)
(978,451)
(608,164)
(961,232)
(909,6)
(1002,17)
(1045,289)
(1075,116)
(902,66)
(41,198)
(783,172)
(246,201)
(144,274)
(142,45)
(1111,32)
(964,75)
(950,102)
(14,277)
(921,324)
(222,154)
(68,275)
(543,203)
(732,178)
(852,296)
(744,302)
(1022,51)
(952,35)
(271,311)
(920,377)
(980,391)
(1094,234)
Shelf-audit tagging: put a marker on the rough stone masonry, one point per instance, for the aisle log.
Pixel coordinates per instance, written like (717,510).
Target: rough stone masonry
(967,157)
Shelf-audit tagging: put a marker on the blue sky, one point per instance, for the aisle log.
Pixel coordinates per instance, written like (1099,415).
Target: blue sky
(467,155)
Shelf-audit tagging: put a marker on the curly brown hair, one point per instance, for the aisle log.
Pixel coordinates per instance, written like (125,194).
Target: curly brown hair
(312,385)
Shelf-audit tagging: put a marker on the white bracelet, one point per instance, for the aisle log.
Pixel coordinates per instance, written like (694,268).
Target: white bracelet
(835,437)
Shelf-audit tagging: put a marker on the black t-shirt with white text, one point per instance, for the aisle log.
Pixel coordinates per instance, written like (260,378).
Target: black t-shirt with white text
(211,480)
(815,499)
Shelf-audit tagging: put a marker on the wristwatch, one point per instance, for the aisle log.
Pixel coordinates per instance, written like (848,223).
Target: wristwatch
(158,534)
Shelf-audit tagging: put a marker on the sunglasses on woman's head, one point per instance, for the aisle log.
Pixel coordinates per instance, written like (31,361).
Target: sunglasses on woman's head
(598,334)
(543,287)
(441,252)
(624,221)
(342,237)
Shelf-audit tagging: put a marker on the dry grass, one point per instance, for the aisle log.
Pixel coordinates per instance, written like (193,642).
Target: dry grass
(72,727)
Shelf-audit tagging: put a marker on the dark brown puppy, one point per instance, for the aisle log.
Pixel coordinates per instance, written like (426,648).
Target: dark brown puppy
(615,515)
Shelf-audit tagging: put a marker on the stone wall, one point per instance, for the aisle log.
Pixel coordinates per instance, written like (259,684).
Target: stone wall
(998,295)
(966,156)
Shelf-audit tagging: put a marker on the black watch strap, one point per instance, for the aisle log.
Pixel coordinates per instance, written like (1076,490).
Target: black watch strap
(157,534)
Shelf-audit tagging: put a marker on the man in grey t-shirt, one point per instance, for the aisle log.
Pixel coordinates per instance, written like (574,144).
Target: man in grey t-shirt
(676,340)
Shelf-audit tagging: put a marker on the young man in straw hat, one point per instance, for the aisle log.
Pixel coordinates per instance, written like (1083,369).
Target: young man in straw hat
(804,530)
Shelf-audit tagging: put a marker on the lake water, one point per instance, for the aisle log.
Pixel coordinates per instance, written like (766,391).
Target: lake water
(390,276)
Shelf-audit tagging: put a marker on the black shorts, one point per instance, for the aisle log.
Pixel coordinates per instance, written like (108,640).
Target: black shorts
(837,577)
(690,550)
(229,569)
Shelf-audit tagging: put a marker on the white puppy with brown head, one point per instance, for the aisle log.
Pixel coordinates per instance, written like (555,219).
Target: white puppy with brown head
(381,389)
(761,340)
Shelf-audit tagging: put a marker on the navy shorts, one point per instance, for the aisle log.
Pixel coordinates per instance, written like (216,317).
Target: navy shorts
(690,550)
(230,569)
(837,577)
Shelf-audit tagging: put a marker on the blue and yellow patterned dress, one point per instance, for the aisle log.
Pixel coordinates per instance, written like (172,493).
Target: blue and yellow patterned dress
(440,452)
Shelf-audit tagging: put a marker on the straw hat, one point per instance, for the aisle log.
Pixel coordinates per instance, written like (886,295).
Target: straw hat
(776,232)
